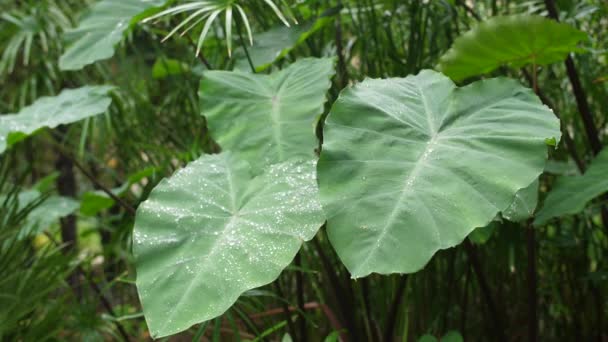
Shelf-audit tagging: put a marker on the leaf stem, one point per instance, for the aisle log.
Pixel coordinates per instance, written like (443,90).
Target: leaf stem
(62,151)
(532,284)
(244,45)
(394,309)
(570,144)
(579,92)
(285,308)
(300,298)
(485,289)
(104,301)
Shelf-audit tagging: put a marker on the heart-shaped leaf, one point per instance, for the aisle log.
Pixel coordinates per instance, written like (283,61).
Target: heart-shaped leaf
(266,119)
(213,231)
(513,41)
(69,106)
(570,194)
(412,165)
(97,34)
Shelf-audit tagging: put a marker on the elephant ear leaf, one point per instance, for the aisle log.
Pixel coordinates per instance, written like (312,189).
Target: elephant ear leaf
(388,144)
(266,119)
(570,194)
(70,106)
(213,231)
(513,41)
(98,32)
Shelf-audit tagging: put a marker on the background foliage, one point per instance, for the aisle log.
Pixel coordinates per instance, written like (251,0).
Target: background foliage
(69,273)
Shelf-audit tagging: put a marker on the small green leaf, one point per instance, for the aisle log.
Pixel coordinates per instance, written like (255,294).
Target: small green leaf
(452,336)
(165,67)
(481,235)
(275,44)
(213,231)
(570,194)
(524,204)
(97,33)
(412,165)
(427,338)
(44,215)
(266,119)
(94,202)
(513,41)
(71,105)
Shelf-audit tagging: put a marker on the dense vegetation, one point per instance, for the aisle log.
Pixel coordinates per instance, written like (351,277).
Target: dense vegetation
(303,170)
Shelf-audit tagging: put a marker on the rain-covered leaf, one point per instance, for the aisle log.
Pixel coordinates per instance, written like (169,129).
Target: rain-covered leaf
(513,41)
(266,119)
(69,106)
(275,44)
(99,31)
(213,231)
(524,204)
(412,165)
(570,194)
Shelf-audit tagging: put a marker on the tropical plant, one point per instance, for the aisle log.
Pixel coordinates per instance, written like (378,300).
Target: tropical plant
(310,170)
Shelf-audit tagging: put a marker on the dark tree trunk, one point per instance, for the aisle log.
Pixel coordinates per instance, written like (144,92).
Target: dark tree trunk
(66,186)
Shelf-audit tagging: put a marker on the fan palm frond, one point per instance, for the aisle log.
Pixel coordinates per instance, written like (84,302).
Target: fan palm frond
(209,11)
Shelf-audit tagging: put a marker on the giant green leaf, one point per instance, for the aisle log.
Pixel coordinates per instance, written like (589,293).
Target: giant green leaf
(513,41)
(570,194)
(413,165)
(98,32)
(267,118)
(69,106)
(213,231)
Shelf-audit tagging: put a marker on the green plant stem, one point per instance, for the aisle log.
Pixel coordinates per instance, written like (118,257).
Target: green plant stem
(63,152)
(290,327)
(570,144)
(300,298)
(469,9)
(582,104)
(201,57)
(394,309)
(465,302)
(343,73)
(499,332)
(532,284)
(66,186)
(579,93)
(244,45)
(369,323)
(104,301)
(450,287)
(343,297)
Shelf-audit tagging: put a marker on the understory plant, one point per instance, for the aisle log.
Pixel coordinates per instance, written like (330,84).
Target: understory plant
(350,171)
